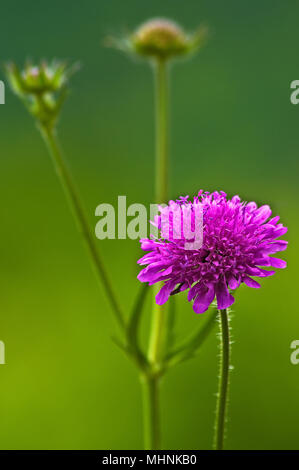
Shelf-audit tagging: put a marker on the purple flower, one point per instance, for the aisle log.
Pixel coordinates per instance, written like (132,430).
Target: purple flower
(238,239)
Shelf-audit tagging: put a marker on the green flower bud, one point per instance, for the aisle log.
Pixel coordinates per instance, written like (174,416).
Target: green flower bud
(42,88)
(161,39)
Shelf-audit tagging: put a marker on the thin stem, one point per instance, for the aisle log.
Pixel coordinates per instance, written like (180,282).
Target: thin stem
(158,312)
(157,334)
(150,386)
(162,164)
(223,381)
(82,222)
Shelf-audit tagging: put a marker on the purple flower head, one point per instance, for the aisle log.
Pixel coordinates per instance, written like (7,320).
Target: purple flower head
(238,239)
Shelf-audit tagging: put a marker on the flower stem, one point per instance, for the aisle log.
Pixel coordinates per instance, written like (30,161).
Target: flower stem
(157,336)
(63,173)
(162,163)
(158,313)
(150,386)
(223,381)
(157,333)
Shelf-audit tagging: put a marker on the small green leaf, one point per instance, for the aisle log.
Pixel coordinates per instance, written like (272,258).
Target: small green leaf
(119,344)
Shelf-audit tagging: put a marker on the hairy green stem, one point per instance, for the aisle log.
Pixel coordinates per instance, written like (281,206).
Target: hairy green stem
(63,173)
(223,381)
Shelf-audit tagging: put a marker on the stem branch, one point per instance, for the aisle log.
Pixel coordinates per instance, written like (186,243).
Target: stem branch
(63,173)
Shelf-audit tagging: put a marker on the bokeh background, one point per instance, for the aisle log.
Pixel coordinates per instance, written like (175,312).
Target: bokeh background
(65,384)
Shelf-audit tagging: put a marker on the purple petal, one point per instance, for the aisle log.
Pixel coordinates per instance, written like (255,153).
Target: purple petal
(262,261)
(146,244)
(232,282)
(251,282)
(147,275)
(259,272)
(280,231)
(274,220)
(262,214)
(251,206)
(224,298)
(204,299)
(236,199)
(193,291)
(164,293)
(279,245)
(278,263)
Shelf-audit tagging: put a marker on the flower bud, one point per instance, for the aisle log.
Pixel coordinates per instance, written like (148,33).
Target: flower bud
(161,39)
(41,87)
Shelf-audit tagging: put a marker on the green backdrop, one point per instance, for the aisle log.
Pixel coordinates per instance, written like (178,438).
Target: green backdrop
(65,385)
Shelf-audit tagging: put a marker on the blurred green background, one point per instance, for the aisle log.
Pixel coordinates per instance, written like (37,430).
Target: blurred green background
(65,384)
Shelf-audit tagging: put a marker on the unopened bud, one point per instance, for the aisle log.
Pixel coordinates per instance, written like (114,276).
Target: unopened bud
(160,39)
(41,87)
